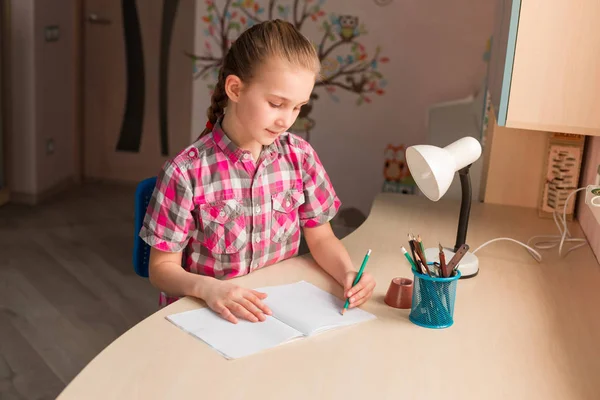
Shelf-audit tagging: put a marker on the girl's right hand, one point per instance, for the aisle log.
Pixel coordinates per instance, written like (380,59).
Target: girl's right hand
(231,301)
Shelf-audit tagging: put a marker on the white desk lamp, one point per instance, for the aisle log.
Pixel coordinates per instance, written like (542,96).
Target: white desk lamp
(433,169)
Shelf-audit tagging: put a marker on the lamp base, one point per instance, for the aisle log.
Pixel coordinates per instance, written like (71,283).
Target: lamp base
(468,265)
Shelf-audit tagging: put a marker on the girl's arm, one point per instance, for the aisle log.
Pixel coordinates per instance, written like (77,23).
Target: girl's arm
(166,274)
(331,255)
(225,298)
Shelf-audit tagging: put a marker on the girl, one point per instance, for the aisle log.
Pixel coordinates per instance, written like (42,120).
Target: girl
(234,201)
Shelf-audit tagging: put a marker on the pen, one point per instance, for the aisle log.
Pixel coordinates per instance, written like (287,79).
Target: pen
(357,278)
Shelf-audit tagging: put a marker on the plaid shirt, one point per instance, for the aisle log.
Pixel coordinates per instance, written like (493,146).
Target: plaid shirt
(230,215)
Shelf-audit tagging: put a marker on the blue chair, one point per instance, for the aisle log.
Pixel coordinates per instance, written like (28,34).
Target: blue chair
(141,250)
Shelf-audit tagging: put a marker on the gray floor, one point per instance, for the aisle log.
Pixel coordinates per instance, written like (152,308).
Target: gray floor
(67,287)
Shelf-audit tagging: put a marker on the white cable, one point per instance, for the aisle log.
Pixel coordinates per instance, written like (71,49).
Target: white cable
(550,241)
(533,253)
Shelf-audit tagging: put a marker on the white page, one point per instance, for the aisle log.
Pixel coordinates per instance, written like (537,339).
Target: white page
(233,340)
(310,309)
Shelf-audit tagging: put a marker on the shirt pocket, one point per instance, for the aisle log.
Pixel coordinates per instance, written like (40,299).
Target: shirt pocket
(224,226)
(284,220)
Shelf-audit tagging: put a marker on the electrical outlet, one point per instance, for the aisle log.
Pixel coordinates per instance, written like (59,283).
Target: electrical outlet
(51,33)
(50,146)
(592,199)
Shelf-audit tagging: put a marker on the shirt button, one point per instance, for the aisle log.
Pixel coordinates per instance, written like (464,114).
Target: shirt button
(257,210)
(222,214)
(257,240)
(287,203)
(246,156)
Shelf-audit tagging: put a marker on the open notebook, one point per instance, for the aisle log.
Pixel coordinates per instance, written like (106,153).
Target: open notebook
(299,309)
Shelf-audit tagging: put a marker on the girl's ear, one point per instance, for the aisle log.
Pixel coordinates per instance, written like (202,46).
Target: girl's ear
(233,87)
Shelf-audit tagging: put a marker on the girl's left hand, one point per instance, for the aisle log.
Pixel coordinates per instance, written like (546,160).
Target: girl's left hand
(363,290)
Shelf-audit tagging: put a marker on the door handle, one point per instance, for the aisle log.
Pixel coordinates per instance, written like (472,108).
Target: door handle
(95,19)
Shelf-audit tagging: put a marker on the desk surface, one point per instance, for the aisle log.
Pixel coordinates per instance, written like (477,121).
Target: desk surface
(521,330)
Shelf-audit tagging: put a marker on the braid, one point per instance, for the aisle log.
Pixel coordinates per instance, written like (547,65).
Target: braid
(218,102)
(219,99)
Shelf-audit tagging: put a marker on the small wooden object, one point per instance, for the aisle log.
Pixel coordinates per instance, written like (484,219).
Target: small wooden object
(562,167)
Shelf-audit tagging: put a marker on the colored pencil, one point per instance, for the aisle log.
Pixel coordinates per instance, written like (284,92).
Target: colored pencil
(357,278)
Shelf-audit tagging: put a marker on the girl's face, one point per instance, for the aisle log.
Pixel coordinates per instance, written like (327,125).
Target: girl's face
(269,104)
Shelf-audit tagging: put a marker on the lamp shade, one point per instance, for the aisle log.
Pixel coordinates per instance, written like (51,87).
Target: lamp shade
(433,167)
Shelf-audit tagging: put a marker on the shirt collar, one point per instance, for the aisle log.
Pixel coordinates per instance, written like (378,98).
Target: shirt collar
(234,152)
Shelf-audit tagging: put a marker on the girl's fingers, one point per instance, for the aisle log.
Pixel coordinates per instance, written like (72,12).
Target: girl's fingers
(258,303)
(362,296)
(225,313)
(355,289)
(248,305)
(366,282)
(260,295)
(240,311)
(357,299)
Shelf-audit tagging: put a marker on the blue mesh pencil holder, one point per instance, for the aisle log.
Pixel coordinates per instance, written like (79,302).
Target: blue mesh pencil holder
(433,301)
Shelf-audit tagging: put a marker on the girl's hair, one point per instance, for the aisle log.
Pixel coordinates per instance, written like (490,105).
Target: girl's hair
(254,46)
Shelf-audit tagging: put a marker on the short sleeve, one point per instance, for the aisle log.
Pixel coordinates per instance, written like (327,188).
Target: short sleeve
(169,221)
(321,203)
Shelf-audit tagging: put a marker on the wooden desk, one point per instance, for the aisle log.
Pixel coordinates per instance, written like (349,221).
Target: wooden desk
(522,330)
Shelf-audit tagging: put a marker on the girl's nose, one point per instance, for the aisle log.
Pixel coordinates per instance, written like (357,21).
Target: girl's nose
(285,121)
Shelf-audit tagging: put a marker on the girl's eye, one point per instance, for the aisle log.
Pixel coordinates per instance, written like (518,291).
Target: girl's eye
(274,105)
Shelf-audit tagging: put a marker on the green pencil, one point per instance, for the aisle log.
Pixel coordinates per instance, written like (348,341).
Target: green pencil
(409,258)
(357,278)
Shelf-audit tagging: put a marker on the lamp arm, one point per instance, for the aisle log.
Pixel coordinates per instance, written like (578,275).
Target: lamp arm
(465,207)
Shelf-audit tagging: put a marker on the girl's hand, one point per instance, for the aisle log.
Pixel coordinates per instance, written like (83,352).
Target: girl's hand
(363,290)
(231,301)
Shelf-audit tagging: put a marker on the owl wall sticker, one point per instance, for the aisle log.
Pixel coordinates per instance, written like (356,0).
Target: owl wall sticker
(396,176)
(348,27)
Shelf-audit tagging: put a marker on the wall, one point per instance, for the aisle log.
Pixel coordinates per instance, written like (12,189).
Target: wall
(23,123)
(435,50)
(43,97)
(587,221)
(54,93)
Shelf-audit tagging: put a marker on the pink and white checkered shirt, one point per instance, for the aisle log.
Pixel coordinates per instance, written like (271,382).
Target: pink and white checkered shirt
(230,215)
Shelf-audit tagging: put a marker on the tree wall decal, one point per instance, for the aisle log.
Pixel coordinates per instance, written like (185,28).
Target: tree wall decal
(346,64)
